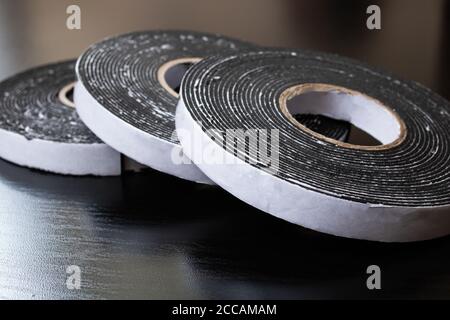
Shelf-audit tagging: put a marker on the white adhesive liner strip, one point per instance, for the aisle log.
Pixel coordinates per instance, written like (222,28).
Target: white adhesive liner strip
(123,136)
(63,158)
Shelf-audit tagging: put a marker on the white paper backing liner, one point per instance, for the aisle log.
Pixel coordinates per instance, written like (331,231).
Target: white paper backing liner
(146,148)
(38,131)
(399,194)
(123,102)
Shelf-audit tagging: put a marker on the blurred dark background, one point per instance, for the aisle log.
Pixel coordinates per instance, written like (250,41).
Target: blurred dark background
(412,43)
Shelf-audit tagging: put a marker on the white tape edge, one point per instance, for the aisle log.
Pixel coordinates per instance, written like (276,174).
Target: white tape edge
(63,158)
(132,142)
(304,207)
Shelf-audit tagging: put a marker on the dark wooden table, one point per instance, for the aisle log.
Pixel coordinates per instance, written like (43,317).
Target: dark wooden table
(149,235)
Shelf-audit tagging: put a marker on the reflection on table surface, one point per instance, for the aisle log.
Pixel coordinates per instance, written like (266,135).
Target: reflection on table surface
(149,235)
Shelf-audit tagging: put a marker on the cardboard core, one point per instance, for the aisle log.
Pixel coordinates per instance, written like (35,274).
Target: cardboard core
(362,111)
(65,95)
(171,73)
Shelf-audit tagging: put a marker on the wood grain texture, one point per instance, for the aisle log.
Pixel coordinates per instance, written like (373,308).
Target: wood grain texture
(151,236)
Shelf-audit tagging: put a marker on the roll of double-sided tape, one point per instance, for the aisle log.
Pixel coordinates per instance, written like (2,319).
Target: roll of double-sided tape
(127,93)
(40,128)
(397,191)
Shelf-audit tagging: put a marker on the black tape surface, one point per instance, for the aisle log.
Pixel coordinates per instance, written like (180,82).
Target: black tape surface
(30,106)
(329,127)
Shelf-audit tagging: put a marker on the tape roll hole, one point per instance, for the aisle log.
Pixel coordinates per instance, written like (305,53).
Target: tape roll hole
(374,125)
(171,73)
(65,95)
